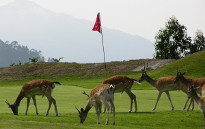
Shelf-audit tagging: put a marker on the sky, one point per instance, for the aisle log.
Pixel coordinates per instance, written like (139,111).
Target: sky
(136,17)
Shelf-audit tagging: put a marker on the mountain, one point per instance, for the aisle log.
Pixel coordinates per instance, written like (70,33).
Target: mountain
(13,53)
(60,35)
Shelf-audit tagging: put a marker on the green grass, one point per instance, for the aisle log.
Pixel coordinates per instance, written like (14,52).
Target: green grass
(192,64)
(68,97)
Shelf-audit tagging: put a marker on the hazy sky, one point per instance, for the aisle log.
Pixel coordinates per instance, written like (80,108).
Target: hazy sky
(137,17)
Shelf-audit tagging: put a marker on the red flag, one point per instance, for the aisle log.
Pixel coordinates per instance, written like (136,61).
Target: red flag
(97,26)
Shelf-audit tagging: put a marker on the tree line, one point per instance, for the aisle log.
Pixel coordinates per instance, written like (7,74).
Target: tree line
(12,54)
(172,42)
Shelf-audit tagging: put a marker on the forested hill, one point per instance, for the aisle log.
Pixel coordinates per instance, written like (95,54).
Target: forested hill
(13,53)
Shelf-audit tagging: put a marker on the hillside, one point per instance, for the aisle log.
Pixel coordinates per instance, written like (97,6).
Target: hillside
(90,75)
(91,69)
(193,64)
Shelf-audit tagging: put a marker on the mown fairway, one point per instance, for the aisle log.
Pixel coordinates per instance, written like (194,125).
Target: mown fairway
(68,97)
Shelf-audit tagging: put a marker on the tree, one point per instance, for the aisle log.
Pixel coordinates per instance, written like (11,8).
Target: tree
(172,41)
(57,60)
(14,52)
(198,42)
(34,60)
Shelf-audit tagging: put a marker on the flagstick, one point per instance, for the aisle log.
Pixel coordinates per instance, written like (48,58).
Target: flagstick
(104,52)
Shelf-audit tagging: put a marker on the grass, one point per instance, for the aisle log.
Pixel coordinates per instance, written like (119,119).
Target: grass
(192,64)
(68,97)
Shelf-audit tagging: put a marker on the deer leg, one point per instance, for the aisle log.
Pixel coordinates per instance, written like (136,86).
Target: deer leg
(159,95)
(97,112)
(186,103)
(192,101)
(132,97)
(105,110)
(54,102)
(168,95)
(49,106)
(192,106)
(100,108)
(108,108)
(28,102)
(113,108)
(51,100)
(34,102)
(98,117)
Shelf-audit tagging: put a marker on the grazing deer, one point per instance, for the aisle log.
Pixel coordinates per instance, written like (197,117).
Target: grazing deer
(196,83)
(199,100)
(32,88)
(102,94)
(163,84)
(123,83)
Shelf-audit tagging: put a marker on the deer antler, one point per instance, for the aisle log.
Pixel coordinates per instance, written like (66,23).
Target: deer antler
(85,93)
(78,110)
(7,103)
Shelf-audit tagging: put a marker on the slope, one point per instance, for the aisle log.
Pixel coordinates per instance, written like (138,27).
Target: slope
(193,64)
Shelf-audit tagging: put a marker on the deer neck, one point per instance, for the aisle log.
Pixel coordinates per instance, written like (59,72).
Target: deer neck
(151,81)
(18,99)
(88,107)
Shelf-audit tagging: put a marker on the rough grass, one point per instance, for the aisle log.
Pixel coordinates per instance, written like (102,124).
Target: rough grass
(68,97)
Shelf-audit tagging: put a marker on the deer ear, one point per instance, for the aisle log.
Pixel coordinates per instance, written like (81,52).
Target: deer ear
(183,73)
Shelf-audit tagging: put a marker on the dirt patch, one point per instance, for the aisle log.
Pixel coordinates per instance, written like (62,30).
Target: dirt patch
(153,64)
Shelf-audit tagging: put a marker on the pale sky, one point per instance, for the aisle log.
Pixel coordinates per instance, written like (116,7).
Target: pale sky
(136,17)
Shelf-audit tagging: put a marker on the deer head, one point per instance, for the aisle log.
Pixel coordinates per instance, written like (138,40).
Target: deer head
(180,77)
(144,73)
(111,89)
(82,114)
(13,107)
(192,90)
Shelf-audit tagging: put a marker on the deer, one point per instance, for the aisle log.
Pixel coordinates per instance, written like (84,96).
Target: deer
(30,90)
(163,84)
(194,87)
(123,83)
(199,100)
(197,83)
(102,94)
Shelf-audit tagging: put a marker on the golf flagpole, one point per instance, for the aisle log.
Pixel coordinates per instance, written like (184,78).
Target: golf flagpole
(97,27)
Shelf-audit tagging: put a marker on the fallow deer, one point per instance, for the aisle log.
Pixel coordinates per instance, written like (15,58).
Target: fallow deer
(193,88)
(123,83)
(102,94)
(196,83)
(31,89)
(199,100)
(163,84)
